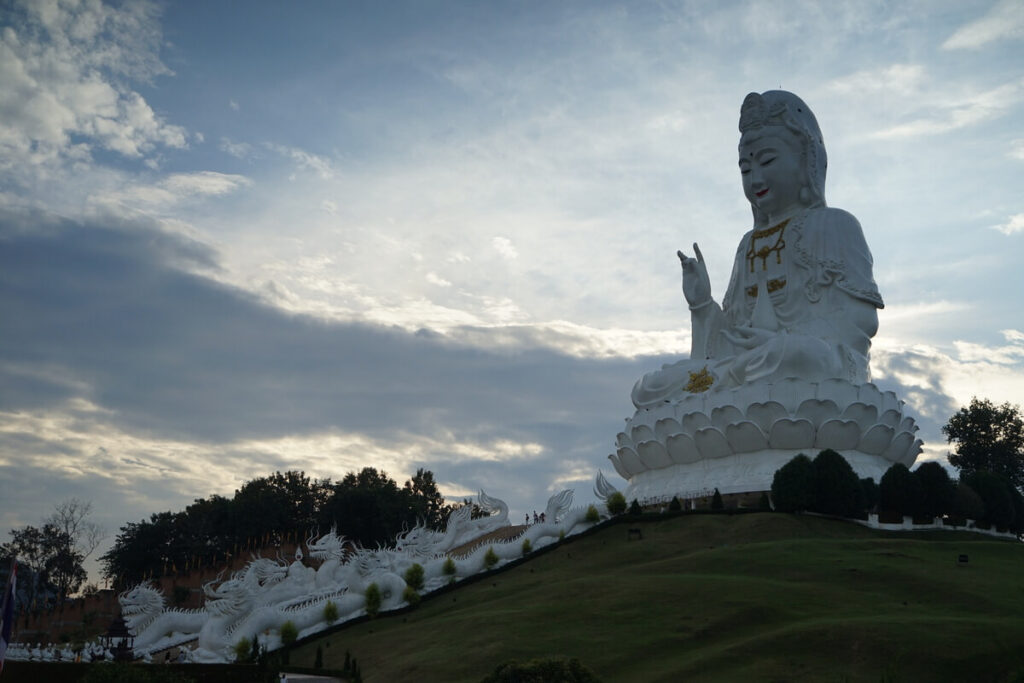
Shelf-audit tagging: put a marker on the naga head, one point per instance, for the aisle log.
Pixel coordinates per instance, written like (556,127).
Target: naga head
(140,605)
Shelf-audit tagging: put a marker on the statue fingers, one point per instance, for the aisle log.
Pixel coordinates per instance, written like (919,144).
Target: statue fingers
(696,251)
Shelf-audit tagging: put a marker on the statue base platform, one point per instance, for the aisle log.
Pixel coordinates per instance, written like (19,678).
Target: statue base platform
(742,473)
(735,439)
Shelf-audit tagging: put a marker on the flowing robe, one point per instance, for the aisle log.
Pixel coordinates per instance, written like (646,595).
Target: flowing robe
(815,295)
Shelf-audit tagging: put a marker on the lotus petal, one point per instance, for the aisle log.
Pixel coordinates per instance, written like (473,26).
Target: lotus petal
(724,416)
(907,425)
(622,440)
(711,443)
(746,437)
(694,421)
(682,449)
(766,414)
(839,391)
(901,443)
(912,453)
(666,426)
(757,393)
(876,439)
(717,399)
(869,394)
(890,417)
(787,434)
(631,461)
(623,472)
(864,414)
(890,401)
(790,392)
(839,435)
(642,433)
(817,411)
(653,455)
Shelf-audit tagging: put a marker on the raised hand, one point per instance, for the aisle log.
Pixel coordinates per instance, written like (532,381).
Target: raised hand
(696,284)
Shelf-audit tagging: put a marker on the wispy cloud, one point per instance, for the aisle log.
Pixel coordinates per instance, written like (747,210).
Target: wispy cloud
(305,160)
(1004,21)
(952,113)
(1014,225)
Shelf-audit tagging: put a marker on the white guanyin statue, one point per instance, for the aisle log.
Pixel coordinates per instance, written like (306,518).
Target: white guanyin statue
(781,366)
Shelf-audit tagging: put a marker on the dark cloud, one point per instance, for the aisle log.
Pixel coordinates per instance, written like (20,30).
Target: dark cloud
(122,314)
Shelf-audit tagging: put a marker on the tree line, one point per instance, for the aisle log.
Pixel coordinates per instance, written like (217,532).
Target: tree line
(367,507)
(989,457)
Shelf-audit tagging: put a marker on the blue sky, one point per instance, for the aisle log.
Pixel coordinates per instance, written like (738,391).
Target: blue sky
(243,237)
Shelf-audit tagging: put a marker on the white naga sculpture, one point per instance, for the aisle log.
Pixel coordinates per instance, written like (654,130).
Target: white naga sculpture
(780,367)
(257,600)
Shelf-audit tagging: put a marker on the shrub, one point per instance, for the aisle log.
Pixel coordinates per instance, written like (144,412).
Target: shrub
(449,567)
(242,649)
(491,558)
(837,489)
(372,599)
(634,508)
(318,663)
(967,504)
(616,503)
(675,505)
(716,501)
(289,634)
(552,669)
(414,576)
(899,491)
(937,489)
(869,491)
(411,596)
(793,485)
(527,546)
(593,517)
(330,612)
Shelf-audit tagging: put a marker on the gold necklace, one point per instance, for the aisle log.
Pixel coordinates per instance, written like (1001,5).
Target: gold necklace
(765,251)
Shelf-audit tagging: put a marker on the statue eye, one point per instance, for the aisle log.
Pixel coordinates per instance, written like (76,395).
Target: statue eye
(768,161)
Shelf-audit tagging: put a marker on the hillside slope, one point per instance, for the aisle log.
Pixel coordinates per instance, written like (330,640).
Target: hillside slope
(764,597)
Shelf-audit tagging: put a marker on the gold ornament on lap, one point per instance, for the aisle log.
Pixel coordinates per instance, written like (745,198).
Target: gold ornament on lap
(700,381)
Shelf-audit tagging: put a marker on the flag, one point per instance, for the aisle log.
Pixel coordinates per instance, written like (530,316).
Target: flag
(7,612)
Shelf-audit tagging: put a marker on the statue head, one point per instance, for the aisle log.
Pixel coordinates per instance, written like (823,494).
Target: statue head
(784,115)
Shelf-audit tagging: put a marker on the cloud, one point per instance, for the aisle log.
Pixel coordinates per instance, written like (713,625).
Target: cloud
(1017,149)
(239,150)
(504,246)
(953,113)
(305,160)
(1004,21)
(1012,226)
(64,69)
(174,189)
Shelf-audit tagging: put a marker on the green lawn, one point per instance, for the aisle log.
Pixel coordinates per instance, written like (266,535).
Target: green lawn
(758,597)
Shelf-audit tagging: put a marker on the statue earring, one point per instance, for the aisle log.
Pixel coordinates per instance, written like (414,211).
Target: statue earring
(805,196)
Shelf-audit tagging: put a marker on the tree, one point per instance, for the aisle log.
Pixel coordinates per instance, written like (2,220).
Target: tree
(72,518)
(836,486)
(995,492)
(793,485)
(53,568)
(425,501)
(716,501)
(988,438)
(899,491)
(937,489)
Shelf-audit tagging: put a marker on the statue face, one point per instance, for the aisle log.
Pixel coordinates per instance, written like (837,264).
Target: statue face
(770,163)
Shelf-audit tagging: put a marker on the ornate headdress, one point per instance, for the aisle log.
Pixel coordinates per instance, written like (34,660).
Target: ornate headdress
(782,108)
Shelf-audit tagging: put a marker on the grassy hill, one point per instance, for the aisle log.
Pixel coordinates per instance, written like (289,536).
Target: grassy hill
(756,597)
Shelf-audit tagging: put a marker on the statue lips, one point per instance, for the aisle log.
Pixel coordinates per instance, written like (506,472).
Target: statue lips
(763,192)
